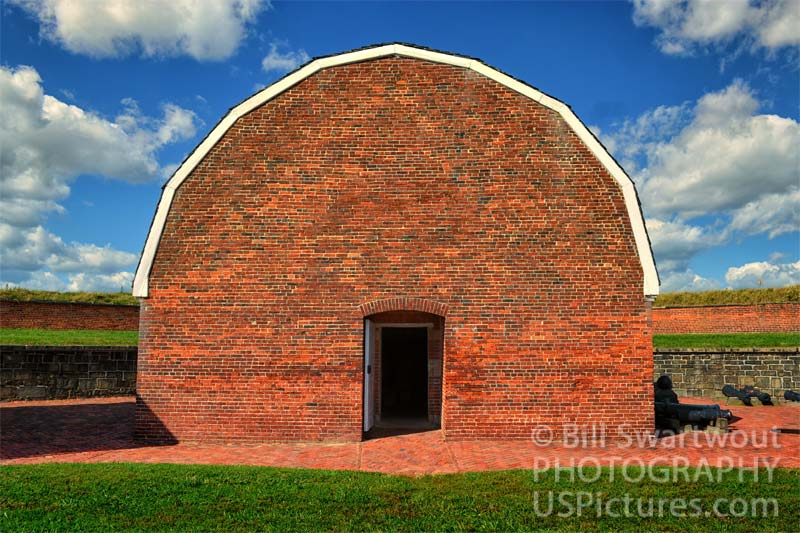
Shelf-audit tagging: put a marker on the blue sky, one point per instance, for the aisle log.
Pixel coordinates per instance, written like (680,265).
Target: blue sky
(698,100)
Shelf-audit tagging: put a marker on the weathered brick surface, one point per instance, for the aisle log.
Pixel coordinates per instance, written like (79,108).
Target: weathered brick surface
(64,315)
(762,318)
(703,372)
(759,318)
(51,372)
(423,185)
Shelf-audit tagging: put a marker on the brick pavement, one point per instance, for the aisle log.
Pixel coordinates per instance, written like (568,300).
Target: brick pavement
(100,430)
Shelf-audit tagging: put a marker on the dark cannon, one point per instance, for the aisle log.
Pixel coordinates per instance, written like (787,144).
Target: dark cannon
(791,396)
(674,416)
(679,415)
(746,394)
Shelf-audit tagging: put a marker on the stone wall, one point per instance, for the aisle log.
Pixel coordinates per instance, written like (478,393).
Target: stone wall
(704,371)
(760,318)
(68,315)
(37,372)
(50,372)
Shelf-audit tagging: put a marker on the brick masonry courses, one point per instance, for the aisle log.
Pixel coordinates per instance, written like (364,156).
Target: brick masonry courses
(762,318)
(66,315)
(425,185)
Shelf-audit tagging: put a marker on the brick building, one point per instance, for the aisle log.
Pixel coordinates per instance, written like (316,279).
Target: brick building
(395,235)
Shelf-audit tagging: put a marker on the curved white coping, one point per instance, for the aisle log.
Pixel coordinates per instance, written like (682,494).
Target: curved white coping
(651,283)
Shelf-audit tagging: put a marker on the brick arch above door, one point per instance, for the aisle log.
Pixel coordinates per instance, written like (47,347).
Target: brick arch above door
(403,304)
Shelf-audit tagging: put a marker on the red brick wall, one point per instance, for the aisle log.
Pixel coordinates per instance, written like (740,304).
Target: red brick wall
(394,178)
(57,315)
(764,318)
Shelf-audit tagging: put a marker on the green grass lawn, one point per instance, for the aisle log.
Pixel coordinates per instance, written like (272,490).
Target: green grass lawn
(28,295)
(732,340)
(675,299)
(106,497)
(57,337)
(45,337)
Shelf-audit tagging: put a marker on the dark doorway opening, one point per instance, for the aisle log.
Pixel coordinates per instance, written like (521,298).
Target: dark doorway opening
(404,373)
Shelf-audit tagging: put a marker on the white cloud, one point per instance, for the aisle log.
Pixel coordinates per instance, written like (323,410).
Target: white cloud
(718,158)
(631,139)
(205,30)
(688,25)
(774,257)
(687,281)
(774,214)
(21,211)
(118,281)
(178,124)
(283,61)
(708,172)
(43,281)
(779,24)
(45,144)
(727,156)
(30,249)
(747,276)
(675,243)
(47,281)
(770,275)
(92,258)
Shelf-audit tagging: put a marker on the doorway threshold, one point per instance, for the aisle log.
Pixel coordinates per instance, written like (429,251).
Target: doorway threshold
(394,426)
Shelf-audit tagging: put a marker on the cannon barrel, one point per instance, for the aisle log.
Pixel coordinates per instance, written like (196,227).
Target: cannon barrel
(708,414)
(690,413)
(745,393)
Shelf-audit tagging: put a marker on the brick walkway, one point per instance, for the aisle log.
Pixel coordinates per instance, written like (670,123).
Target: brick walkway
(99,430)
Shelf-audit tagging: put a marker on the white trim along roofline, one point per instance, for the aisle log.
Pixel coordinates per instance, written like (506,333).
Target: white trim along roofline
(651,282)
